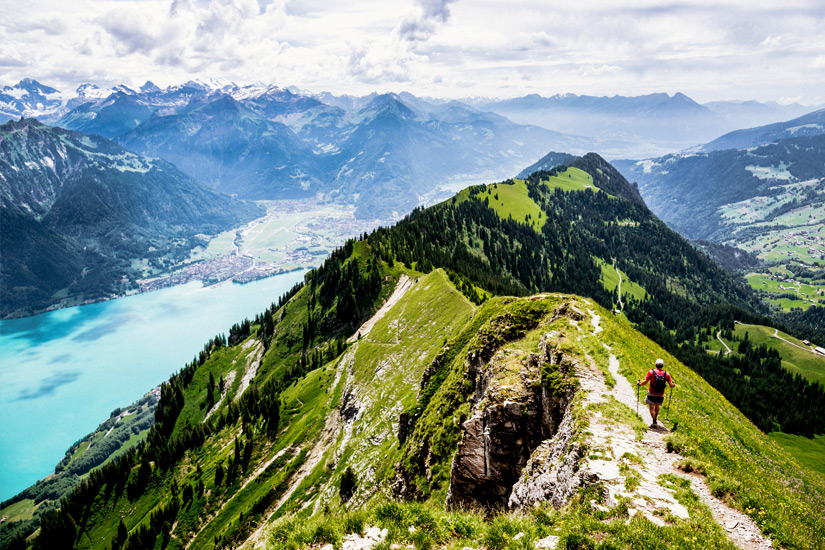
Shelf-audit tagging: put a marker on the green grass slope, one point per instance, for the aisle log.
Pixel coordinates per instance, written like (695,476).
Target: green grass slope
(757,475)
(742,466)
(611,277)
(808,451)
(796,356)
(571,179)
(510,200)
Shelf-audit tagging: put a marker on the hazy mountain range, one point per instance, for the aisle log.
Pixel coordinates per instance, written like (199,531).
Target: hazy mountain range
(618,126)
(647,125)
(78,209)
(689,190)
(385,154)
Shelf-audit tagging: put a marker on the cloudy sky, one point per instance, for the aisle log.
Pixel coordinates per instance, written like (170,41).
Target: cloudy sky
(708,49)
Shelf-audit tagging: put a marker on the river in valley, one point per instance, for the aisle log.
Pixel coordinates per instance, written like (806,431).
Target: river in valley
(64,371)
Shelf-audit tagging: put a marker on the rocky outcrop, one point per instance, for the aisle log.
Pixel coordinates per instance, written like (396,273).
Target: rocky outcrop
(515,411)
(552,473)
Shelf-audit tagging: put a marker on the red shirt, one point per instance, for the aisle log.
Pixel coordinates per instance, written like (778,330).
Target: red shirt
(650,379)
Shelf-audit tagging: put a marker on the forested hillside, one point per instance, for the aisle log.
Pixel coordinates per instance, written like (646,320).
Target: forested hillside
(306,418)
(77,210)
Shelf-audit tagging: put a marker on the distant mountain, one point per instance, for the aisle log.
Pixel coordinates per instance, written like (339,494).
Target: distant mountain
(648,123)
(811,124)
(29,98)
(77,209)
(273,102)
(692,191)
(747,114)
(767,200)
(115,111)
(385,154)
(392,156)
(110,117)
(227,146)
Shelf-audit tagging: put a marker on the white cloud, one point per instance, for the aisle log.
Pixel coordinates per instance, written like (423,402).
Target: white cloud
(709,49)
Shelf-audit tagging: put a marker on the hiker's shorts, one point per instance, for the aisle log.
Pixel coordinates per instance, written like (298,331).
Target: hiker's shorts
(654,399)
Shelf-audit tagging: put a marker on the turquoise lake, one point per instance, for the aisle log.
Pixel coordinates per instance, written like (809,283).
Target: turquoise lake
(64,371)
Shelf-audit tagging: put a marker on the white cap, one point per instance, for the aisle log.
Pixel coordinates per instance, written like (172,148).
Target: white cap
(659,362)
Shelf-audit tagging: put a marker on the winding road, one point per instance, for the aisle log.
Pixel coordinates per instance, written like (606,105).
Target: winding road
(719,337)
(619,273)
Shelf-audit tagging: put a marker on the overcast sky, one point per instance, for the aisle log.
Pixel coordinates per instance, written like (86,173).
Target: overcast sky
(708,49)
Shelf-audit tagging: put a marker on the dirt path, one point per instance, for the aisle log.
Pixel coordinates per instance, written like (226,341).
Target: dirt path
(227,383)
(719,337)
(253,361)
(776,335)
(404,285)
(741,529)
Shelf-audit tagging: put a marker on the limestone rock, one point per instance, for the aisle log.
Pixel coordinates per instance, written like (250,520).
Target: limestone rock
(547,543)
(373,537)
(513,414)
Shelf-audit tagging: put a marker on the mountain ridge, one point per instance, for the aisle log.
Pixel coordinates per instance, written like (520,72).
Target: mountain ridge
(399,407)
(94,207)
(809,124)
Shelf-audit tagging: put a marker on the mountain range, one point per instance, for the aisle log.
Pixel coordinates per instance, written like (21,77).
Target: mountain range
(431,375)
(262,141)
(761,190)
(78,209)
(650,124)
(387,155)
(777,162)
(810,124)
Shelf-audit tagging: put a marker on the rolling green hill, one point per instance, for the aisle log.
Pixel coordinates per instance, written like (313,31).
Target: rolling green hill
(378,394)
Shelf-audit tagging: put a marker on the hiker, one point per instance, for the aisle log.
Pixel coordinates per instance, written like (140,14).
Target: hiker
(658,379)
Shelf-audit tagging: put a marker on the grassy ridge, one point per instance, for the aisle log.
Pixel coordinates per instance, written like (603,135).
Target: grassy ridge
(743,465)
(379,374)
(753,473)
(511,201)
(571,179)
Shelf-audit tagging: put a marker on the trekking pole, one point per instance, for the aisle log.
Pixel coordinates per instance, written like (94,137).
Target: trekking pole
(637,398)
(669,399)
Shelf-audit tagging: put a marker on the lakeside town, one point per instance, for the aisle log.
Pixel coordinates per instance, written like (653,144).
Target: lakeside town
(294,235)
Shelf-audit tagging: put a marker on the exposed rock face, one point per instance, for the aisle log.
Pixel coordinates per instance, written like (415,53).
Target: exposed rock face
(513,414)
(552,474)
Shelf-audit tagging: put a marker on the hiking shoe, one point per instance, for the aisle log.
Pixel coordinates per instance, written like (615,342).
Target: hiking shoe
(654,424)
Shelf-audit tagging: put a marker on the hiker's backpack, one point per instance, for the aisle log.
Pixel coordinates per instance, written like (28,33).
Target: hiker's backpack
(659,381)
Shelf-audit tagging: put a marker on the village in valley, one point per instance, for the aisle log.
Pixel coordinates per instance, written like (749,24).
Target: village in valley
(293,235)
